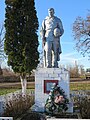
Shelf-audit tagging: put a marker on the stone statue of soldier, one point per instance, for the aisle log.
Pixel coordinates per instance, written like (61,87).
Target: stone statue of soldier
(51,31)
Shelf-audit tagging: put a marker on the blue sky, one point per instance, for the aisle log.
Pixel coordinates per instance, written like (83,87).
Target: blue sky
(67,10)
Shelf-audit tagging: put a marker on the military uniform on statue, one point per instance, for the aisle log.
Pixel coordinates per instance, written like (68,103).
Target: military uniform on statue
(51,31)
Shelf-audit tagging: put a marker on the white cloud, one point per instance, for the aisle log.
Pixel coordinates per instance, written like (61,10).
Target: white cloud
(68,54)
(72,57)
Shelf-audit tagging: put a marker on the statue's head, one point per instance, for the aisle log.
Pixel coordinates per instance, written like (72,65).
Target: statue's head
(51,12)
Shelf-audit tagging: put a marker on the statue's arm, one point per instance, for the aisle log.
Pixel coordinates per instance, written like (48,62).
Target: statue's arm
(61,27)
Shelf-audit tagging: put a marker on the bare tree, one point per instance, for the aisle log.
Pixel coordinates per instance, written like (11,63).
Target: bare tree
(82,70)
(41,64)
(74,70)
(81,33)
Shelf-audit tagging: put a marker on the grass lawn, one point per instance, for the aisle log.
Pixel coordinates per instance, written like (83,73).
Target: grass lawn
(4,91)
(80,86)
(73,86)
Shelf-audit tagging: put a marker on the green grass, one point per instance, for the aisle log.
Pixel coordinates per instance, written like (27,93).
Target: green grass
(73,86)
(80,86)
(6,91)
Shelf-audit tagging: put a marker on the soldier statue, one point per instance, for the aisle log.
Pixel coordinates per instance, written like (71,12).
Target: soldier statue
(51,31)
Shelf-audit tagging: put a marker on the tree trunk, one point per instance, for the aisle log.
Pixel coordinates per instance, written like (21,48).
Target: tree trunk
(23,84)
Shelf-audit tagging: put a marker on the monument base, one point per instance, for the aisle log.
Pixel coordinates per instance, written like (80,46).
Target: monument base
(44,79)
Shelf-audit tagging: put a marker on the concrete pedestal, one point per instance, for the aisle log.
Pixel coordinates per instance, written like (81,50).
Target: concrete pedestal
(44,79)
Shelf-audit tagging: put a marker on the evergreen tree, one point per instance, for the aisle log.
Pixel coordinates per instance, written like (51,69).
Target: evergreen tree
(1,72)
(21,39)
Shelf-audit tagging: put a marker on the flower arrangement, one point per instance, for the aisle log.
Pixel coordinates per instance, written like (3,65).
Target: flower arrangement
(57,100)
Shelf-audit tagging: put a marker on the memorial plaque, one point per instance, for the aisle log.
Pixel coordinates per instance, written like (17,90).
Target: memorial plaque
(48,85)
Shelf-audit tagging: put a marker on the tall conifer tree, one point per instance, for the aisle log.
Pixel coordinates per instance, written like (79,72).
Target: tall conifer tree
(21,39)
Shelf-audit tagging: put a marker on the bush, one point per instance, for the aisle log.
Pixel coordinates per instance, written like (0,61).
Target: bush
(82,104)
(33,116)
(18,105)
(85,108)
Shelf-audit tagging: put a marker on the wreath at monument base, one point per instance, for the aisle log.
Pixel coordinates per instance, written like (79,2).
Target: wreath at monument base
(57,101)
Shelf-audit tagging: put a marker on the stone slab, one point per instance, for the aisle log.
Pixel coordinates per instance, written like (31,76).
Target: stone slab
(6,118)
